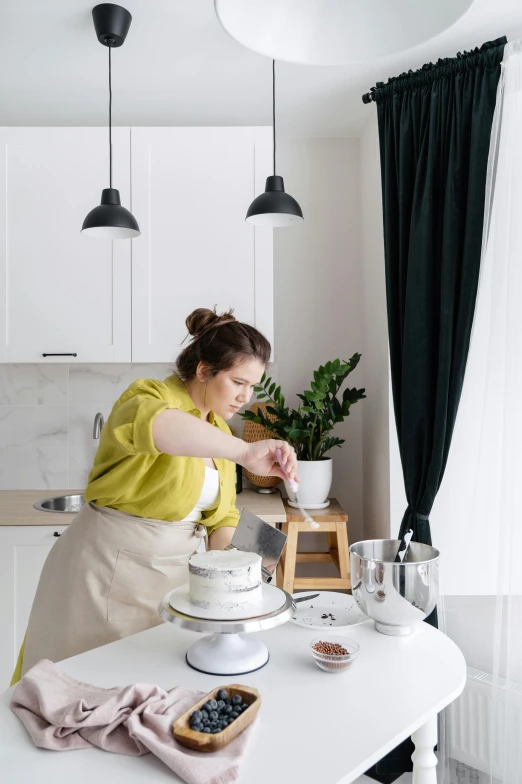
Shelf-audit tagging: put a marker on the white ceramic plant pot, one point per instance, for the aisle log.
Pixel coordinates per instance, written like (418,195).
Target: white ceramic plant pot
(315,481)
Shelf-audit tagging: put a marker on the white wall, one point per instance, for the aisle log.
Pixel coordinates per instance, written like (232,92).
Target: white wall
(317,281)
(376,413)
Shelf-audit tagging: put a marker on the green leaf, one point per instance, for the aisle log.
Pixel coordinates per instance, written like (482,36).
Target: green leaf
(272,387)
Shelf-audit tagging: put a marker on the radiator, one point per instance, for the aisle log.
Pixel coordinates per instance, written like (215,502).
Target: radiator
(473,739)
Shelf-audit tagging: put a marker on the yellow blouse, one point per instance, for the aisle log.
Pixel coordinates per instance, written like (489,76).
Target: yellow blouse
(131,475)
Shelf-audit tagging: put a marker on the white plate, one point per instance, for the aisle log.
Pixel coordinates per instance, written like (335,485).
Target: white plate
(273,599)
(340,610)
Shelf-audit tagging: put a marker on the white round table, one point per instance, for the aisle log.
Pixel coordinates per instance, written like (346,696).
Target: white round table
(314,726)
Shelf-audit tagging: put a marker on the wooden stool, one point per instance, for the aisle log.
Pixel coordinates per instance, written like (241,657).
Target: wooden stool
(334,521)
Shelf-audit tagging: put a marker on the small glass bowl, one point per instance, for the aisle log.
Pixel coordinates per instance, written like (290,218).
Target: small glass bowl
(335,662)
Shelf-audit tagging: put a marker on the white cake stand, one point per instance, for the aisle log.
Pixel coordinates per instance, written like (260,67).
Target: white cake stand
(228,650)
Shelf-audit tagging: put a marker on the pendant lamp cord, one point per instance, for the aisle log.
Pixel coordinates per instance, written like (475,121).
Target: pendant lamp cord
(273,113)
(110,120)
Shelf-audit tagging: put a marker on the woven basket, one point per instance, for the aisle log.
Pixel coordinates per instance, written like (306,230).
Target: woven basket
(253,432)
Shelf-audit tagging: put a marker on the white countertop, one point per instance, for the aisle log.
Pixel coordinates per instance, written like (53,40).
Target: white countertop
(315,727)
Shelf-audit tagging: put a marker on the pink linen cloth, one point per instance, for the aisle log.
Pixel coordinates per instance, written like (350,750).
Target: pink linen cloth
(61,713)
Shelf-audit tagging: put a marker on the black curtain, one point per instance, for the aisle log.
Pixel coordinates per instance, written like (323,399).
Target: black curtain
(434,130)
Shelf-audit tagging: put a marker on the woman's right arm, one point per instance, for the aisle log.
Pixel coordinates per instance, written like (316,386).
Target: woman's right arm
(179,433)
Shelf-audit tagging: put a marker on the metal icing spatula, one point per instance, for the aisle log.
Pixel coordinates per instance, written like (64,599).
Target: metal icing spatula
(253,535)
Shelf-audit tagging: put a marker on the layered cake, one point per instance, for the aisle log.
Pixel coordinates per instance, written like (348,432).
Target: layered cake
(225,580)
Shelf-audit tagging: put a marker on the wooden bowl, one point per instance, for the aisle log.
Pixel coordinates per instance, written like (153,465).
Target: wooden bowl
(202,741)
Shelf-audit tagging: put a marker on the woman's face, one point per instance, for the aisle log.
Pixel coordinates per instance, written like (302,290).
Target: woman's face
(231,389)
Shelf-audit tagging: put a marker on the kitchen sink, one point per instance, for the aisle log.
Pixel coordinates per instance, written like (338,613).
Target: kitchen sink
(70,504)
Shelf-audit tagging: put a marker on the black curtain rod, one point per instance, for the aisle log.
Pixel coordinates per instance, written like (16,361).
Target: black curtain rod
(369,97)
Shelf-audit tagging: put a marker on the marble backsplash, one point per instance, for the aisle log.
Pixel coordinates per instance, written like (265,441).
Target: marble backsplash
(47,415)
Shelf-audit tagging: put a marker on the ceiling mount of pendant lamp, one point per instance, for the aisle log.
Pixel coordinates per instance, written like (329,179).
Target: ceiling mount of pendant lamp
(335,32)
(274,207)
(109,220)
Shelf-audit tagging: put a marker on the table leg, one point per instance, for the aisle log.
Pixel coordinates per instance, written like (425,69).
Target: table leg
(424,758)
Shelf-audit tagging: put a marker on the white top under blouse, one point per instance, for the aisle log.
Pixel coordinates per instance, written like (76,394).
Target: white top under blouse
(209,497)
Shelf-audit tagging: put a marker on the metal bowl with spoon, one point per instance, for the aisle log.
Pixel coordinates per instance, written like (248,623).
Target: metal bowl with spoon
(395,594)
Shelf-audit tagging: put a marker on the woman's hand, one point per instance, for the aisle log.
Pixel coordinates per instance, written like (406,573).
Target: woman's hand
(221,537)
(260,458)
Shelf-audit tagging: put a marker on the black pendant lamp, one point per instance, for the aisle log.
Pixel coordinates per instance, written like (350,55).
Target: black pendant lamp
(110,220)
(274,207)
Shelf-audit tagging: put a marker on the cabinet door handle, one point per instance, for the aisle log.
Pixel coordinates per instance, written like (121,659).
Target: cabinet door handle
(59,355)
(56,533)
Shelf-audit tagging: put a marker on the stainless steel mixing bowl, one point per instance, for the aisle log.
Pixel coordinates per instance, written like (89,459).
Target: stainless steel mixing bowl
(395,595)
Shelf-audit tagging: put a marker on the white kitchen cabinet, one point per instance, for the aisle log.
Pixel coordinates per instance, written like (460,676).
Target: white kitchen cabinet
(191,188)
(23,550)
(61,292)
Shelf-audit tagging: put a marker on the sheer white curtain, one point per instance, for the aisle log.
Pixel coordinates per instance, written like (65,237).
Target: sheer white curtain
(484,471)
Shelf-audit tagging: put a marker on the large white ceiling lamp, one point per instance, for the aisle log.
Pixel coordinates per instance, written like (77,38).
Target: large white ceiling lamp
(335,32)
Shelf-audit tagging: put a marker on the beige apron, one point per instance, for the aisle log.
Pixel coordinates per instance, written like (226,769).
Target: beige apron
(104,579)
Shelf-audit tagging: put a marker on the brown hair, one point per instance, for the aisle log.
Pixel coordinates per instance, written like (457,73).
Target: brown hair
(219,341)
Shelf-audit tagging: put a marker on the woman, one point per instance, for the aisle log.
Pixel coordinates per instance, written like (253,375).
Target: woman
(163,477)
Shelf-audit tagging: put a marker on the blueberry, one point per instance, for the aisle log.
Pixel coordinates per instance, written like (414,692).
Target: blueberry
(213,704)
(234,715)
(228,701)
(206,707)
(215,731)
(222,694)
(237,699)
(244,707)
(207,730)
(220,704)
(213,715)
(205,721)
(196,716)
(213,725)
(227,709)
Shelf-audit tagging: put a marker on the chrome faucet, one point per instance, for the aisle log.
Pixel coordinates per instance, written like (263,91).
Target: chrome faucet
(99,422)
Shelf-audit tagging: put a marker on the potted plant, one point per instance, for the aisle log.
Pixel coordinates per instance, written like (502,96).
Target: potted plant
(308,428)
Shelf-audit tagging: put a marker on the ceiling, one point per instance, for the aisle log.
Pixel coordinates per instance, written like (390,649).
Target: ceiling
(179,67)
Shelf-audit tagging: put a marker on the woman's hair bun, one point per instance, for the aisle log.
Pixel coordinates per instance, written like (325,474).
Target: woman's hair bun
(203,319)
(219,349)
